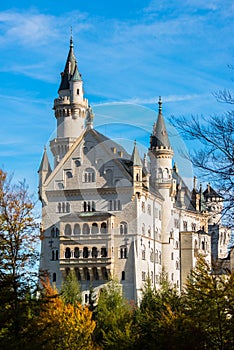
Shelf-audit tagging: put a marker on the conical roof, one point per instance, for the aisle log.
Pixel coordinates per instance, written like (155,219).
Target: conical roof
(136,159)
(70,68)
(45,164)
(159,137)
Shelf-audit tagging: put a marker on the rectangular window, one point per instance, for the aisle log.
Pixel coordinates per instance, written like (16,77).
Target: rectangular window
(143,276)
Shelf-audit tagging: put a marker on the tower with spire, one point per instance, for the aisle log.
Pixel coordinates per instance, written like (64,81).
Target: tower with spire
(70,108)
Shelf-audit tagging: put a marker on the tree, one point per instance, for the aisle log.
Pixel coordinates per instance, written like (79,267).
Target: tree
(63,325)
(70,290)
(18,255)
(209,307)
(114,319)
(215,156)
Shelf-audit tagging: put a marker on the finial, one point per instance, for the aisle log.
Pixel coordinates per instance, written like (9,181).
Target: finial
(44,147)
(71,39)
(160,105)
(135,142)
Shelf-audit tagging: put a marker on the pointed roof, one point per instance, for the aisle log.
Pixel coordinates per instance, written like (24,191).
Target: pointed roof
(211,193)
(76,75)
(159,136)
(45,164)
(70,68)
(136,159)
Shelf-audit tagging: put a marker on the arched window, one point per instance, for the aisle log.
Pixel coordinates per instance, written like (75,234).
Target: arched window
(76,229)
(56,255)
(123,228)
(52,254)
(85,252)
(69,174)
(103,227)
(56,232)
(203,245)
(94,228)
(68,230)
(77,272)
(156,256)
(59,207)
(67,253)
(109,176)
(104,273)
(123,252)
(94,252)
(86,274)
(89,175)
(52,232)
(103,252)
(76,252)
(143,252)
(67,207)
(95,274)
(149,231)
(123,276)
(86,229)
(151,255)
(54,277)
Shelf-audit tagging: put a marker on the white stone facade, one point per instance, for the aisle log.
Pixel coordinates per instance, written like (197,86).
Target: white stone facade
(105,214)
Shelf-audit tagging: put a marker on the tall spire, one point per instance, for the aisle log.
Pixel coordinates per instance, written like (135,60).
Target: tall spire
(70,67)
(159,137)
(136,159)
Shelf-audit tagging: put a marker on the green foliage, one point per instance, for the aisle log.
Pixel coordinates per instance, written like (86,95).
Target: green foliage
(18,239)
(114,319)
(209,305)
(70,290)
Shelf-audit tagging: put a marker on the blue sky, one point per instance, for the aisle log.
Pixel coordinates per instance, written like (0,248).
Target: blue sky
(129,52)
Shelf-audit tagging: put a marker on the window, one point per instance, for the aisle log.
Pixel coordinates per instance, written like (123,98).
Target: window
(143,252)
(86,274)
(123,252)
(69,174)
(193,226)
(95,274)
(172,256)
(203,245)
(151,255)
(104,273)
(103,252)
(152,276)
(67,253)
(52,255)
(67,230)
(94,228)
(63,207)
(143,276)
(176,223)
(103,227)
(77,272)
(86,229)
(159,258)
(89,206)
(77,91)
(89,175)
(76,252)
(123,228)
(185,225)
(149,209)
(85,252)
(156,256)
(177,265)
(52,232)
(94,252)
(123,276)
(114,205)
(172,276)
(143,207)
(76,229)
(143,229)
(56,255)
(54,277)
(149,231)
(67,271)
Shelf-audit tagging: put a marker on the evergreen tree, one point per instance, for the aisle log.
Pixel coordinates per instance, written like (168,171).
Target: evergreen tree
(114,319)
(70,290)
(209,306)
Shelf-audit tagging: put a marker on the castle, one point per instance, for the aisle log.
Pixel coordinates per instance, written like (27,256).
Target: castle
(109,213)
